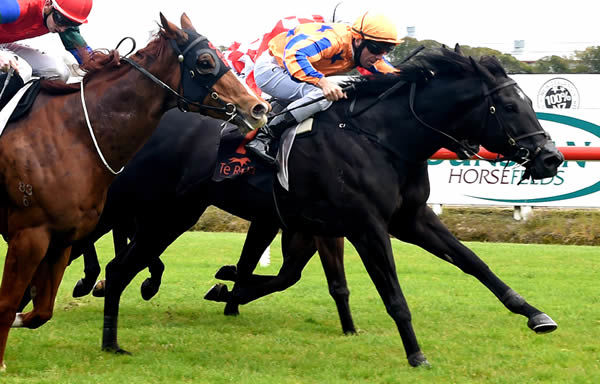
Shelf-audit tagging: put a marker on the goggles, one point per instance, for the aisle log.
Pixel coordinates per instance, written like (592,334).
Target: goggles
(63,21)
(378,47)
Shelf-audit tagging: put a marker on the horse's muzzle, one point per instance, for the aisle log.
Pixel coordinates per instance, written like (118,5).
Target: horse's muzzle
(546,163)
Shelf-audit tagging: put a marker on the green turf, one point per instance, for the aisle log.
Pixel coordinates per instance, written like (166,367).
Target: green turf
(295,336)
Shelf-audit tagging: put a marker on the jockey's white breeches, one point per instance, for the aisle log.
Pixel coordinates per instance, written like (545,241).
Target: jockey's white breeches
(274,80)
(41,64)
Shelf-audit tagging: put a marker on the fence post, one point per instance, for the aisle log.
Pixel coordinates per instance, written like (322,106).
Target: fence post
(522,212)
(265,259)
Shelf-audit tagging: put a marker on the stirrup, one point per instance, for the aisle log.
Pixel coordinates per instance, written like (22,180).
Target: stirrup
(261,153)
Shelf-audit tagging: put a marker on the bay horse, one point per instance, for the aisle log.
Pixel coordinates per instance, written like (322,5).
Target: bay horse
(362,174)
(53,176)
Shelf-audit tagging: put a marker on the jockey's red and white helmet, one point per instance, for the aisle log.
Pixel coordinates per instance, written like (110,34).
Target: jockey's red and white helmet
(75,10)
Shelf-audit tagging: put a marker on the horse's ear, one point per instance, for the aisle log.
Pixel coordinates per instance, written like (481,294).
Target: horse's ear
(483,71)
(171,31)
(458,50)
(186,23)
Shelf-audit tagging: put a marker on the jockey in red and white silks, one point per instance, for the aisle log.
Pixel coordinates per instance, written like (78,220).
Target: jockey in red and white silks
(24,19)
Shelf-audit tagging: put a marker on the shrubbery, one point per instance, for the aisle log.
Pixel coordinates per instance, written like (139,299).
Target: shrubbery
(545,226)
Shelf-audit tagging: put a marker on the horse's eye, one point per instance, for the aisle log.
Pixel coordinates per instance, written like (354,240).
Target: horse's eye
(205,64)
(510,108)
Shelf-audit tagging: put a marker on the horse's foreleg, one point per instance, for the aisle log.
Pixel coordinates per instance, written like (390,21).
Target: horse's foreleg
(375,250)
(44,287)
(151,285)
(91,270)
(331,252)
(26,249)
(427,231)
(297,250)
(119,273)
(260,235)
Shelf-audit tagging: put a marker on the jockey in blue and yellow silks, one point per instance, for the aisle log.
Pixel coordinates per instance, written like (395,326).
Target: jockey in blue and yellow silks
(311,51)
(24,19)
(296,66)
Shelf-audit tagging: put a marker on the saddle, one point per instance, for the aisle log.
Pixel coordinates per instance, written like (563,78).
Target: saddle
(18,97)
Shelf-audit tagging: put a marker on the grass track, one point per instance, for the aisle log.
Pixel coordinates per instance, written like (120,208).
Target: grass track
(295,336)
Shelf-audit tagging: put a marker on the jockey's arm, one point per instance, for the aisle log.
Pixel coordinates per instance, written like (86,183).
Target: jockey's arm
(9,12)
(298,62)
(75,43)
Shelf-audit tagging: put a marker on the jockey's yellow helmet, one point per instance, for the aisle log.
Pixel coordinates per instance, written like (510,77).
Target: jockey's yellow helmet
(376,27)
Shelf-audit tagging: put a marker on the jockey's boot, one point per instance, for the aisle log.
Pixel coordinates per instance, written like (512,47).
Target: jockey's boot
(262,145)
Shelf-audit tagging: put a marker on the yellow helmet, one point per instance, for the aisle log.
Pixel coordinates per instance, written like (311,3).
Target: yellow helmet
(376,27)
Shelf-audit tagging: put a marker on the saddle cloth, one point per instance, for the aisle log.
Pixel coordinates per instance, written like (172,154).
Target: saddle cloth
(233,161)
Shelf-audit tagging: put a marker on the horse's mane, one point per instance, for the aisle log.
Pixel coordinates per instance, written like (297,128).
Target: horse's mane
(431,62)
(102,60)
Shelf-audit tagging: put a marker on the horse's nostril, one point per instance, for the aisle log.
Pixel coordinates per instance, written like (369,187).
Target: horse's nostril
(258,111)
(553,161)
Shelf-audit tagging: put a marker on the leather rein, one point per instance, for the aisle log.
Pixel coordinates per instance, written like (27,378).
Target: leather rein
(227,108)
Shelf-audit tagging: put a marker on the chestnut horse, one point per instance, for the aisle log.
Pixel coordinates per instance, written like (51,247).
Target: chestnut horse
(54,175)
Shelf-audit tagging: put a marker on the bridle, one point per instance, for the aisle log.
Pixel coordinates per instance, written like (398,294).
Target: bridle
(521,155)
(189,54)
(185,56)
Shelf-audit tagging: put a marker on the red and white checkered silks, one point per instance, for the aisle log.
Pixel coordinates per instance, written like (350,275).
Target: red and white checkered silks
(241,56)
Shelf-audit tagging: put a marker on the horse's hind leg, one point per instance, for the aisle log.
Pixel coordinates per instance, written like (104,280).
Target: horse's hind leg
(331,252)
(26,249)
(427,231)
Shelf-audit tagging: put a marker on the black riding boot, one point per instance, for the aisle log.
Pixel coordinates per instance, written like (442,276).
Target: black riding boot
(262,145)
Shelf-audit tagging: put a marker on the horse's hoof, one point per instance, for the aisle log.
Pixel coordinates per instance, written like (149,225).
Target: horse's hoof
(542,323)
(350,332)
(418,359)
(217,292)
(227,272)
(115,349)
(231,310)
(3,367)
(82,289)
(148,289)
(99,288)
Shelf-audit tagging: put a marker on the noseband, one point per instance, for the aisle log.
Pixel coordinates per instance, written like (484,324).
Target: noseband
(183,56)
(521,154)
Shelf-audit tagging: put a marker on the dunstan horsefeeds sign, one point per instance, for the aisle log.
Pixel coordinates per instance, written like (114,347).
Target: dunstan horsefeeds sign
(568,107)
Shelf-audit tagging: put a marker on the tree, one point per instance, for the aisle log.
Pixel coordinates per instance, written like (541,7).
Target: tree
(552,64)
(590,58)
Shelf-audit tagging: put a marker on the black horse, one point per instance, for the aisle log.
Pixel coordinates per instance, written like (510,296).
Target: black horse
(163,191)
(361,174)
